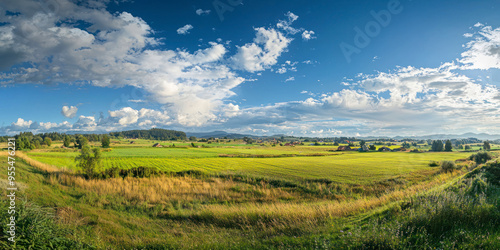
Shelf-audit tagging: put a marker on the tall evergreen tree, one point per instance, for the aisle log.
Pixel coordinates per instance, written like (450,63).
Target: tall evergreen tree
(448,147)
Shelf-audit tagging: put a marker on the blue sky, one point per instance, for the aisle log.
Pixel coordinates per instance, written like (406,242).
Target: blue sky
(260,67)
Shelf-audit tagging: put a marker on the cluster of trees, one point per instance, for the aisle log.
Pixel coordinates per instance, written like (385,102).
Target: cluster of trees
(438,146)
(26,140)
(152,134)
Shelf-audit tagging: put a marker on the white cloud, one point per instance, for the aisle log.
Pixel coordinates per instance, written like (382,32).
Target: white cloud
(263,52)
(116,50)
(289,79)
(201,12)
(286,25)
(484,51)
(21,124)
(478,24)
(308,35)
(468,35)
(126,116)
(184,30)
(69,112)
(85,123)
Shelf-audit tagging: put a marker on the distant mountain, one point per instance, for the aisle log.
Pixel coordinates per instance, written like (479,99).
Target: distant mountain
(481,136)
(222,134)
(217,134)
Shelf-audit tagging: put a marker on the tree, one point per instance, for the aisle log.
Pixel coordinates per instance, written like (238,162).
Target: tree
(335,144)
(88,160)
(105,141)
(36,144)
(467,147)
(448,147)
(47,141)
(247,140)
(192,138)
(406,144)
(67,141)
(81,141)
(362,143)
(486,145)
(437,146)
(22,143)
(372,147)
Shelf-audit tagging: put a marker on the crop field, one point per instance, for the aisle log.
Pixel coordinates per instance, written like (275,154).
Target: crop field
(342,167)
(252,194)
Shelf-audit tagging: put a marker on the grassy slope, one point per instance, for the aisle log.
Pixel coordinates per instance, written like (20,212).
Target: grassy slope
(209,212)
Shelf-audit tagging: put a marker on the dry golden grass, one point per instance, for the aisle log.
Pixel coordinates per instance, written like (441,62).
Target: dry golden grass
(163,189)
(283,214)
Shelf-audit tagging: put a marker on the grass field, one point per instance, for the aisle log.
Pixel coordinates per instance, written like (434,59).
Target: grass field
(249,197)
(346,167)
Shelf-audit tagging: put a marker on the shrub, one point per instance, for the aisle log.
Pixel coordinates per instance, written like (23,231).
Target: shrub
(448,166)
(481,157)
(434,164)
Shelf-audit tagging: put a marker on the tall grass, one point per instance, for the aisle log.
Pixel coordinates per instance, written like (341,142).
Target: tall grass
(36,228)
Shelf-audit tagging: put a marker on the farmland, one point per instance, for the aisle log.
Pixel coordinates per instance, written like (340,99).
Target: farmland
(225,195)
(342,167)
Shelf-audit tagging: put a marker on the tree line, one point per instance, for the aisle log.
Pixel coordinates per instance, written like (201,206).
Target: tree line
(28,140)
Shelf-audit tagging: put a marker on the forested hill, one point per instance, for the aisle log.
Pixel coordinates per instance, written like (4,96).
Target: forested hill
(152,134)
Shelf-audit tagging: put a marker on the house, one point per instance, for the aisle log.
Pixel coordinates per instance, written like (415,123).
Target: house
(363,148)
(344,148)
(384,149)
(157,145)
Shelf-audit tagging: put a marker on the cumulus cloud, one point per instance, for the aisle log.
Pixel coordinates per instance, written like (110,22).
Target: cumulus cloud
(267,47)
(184,30)
(201,12)
(115,50)
(85,123)
(263,53)
(69,112)
(484,51)
(421,100)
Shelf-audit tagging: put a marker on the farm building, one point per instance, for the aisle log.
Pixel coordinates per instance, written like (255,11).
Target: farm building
(384,149)
(157,145)
(344,148)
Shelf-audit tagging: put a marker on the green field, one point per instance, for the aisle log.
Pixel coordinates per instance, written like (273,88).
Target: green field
(240,197)
(342,167)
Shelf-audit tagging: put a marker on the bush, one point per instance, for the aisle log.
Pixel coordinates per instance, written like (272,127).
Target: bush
(434,164)
(448,166)
(481,157)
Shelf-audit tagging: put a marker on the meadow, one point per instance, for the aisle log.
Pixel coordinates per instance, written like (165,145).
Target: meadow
(239,197)
(337,166)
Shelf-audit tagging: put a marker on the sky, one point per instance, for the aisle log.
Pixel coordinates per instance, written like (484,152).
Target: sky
(318,69)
